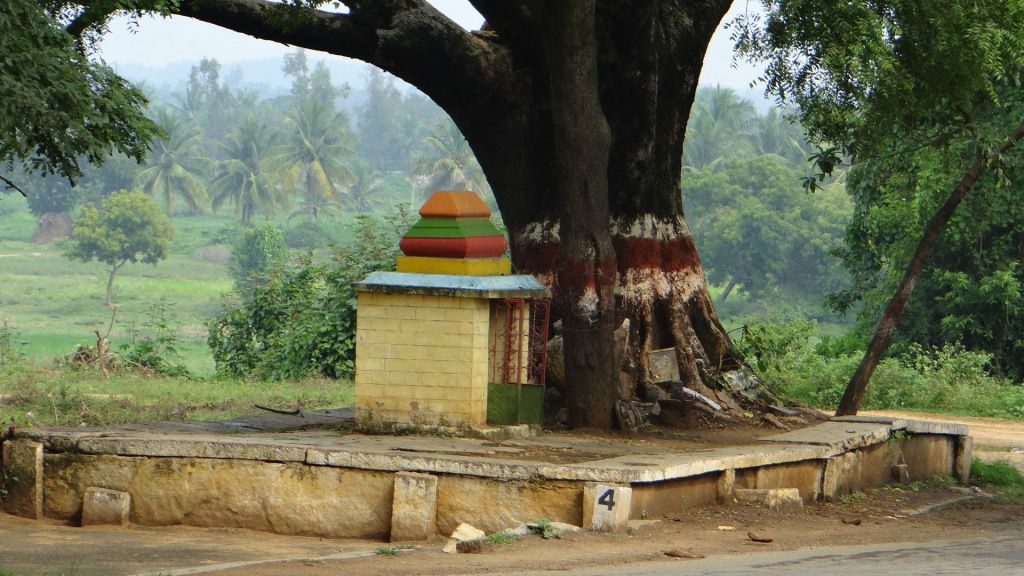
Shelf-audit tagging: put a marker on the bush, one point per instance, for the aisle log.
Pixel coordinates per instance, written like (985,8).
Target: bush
(309,235)
(257,251)
(946,379)
(301,320)
(12,203)
(153,346)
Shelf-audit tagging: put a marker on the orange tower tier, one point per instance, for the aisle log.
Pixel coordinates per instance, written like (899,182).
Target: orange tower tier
(454,235)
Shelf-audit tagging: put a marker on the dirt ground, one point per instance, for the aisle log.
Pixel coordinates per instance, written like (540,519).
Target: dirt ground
(883,515)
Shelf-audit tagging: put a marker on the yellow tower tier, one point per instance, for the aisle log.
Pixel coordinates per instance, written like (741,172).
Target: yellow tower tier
(459,266)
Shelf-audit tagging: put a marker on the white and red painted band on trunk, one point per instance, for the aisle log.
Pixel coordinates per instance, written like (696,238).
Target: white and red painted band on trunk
(656,257)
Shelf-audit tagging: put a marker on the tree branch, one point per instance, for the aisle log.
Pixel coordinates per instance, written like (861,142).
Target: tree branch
(408,38)
(11,185)
(94,13)
(511,19)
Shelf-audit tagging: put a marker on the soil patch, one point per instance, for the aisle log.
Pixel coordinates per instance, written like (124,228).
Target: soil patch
(701,530)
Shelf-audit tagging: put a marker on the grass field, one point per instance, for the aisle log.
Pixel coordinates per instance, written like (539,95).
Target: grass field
(36,396)
(53,304)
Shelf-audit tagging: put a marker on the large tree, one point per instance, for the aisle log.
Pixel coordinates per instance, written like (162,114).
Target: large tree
(576,111)
(882,80)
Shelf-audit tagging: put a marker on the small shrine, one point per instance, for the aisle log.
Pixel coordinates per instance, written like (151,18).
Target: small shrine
(452,341)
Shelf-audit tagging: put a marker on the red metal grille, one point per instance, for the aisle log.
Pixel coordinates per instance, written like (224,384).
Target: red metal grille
(519,336)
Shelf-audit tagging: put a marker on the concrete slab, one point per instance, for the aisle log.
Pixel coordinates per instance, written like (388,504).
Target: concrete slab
(461,286)
(910,425)
(837,436)
(343,484)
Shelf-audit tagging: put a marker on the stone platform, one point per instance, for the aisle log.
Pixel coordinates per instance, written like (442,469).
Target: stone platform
(332,483)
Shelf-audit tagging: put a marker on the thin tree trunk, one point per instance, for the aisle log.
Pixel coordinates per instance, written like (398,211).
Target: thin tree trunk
(728,289)
(586,264)
(936,226)
(110,283)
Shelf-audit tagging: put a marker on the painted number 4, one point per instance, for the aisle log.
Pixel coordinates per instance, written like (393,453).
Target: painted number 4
(607,499)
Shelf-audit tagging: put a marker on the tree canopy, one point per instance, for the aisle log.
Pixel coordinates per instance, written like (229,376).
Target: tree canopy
(125,227)
(58,107)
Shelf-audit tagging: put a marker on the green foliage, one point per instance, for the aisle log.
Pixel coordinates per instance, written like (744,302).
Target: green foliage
(308,235)
(767,345)
(48,194)
(934,481)
(57,107)
(544,528)
(256,252)
(852,498)
(313,157)
(153,346)
(12,203)
(176,164)
(301,320)
(1000,474)
(126,227)
(756,227)
(387,550)
(244,178)
(972,292)
(74,397)
(865,71)
(501,538)
(11,354)
(996,473)
(798,364)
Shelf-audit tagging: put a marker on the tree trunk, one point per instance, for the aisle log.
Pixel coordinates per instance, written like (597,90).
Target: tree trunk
(587,180)
(880,341)
(110,283)
(728,289)
(586,266)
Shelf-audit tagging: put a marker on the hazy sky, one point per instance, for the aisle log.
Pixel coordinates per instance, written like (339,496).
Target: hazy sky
(159,41)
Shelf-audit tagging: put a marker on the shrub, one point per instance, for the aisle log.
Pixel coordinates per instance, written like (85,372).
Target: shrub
(949,378)
(301,320)
(12,203)
(309,235)
(154,345)
(257,251)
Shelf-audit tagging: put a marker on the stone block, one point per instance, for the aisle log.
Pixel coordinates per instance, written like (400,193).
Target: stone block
(414,507)
(23,478)
(726,486)
(781,499)
(465,539)
(101,506)
(606,506)
(962,458)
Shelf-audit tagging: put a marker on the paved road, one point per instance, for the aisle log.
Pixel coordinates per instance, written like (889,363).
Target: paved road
(1002,557)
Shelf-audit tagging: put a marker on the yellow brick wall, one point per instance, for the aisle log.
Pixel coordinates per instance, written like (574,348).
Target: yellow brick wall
(421,360)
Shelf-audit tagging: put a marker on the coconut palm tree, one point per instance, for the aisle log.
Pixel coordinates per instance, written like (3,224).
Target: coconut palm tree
(365,193)
(312,159)
(244,179)
(777,134)
(722,125)
(175,163)
(450,163)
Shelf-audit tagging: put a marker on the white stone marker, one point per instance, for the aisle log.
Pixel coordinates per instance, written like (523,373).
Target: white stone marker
(414,507)
(23,467)
(102,506)
(606,506)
